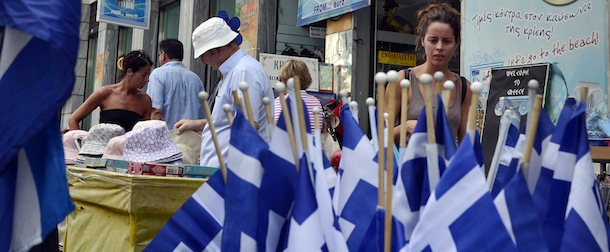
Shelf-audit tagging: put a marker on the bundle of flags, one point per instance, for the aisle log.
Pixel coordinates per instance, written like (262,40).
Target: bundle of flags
(37,60)
(274,206)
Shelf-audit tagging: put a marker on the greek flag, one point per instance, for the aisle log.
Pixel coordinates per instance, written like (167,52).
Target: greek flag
(516,207)
(552,191)
(586,223)
(277,190)
(412,189)
(538,178)
(198,224)
(510,154)
(38,54)
(355,197)
(244,177)
(460,214)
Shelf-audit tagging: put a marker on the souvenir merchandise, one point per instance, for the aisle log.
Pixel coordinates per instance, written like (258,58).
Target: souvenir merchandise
(151,144)
(72,144)
(98,138)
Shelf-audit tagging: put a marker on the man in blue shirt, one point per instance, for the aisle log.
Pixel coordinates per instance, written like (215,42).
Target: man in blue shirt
(173,88)
(215,45)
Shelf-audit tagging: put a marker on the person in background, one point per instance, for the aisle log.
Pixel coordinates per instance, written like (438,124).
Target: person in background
(215,45)
(173,88)
(438,34)
(390,22)
(297,68)
(122,103)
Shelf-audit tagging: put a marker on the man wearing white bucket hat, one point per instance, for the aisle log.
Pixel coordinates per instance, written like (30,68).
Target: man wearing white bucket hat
(215,45)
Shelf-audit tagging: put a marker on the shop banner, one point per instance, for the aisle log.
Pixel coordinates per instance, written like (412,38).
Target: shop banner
(247,11)
(314,11)
(573,37)
(129,13)
(396,58)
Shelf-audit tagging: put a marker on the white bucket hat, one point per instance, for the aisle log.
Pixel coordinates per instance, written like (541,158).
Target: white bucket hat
(211,34)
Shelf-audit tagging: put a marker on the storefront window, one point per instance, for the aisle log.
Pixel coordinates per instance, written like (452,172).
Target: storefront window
(169,21)
(125,38)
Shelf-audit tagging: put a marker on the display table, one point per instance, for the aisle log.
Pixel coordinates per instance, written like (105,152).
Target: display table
(121,212)
(601,155)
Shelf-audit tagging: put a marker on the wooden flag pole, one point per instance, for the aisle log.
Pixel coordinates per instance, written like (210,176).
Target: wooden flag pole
(476,88)
(301,113)
(530,135)
(426,81)
(532,86)
(584,94)
(267,102)
(237,100)
(439,77)
(404,107)
(203,96)
(280,88)
(228,110)
(243,86)
(448,86)
(392,79)
(380,79)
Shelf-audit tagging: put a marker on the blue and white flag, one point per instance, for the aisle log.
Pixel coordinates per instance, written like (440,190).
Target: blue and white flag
(586,223)
(277,190)
(244,177)
(34,196)
(516,207)
(198,224)
(537,176)
(553,188)
(508,161)
(412,189)
(460,214)
(355,197)
(324,179)
(309,231)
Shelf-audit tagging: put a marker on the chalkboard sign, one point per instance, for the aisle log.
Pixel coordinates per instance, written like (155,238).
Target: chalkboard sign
(511,83)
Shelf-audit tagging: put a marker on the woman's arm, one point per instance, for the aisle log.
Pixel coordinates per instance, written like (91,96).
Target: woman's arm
(94,101)
(147,107)
(464,110)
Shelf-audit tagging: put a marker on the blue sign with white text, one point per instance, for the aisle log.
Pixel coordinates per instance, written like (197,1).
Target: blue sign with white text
(129,13)
(314,11)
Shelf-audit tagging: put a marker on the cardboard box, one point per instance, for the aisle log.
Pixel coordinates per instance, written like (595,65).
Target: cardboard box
(121,212)
(166,170)
(135,168)
(197,171)
(95,162)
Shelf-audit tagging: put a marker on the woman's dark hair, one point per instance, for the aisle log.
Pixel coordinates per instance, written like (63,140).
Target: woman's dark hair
(134,60)
(437,12)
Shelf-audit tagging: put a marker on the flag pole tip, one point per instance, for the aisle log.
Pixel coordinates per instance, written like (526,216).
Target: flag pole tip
(280,87)
(381,78)
(449,85)
(243,86)
(439,76)
(392,76)
(405,83)
(266,100)
(203,95)
(425,79)
(370,101)
(476,87)
(533,84)
(227,108)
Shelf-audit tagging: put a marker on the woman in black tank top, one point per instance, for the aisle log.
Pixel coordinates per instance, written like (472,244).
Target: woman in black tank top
(438,34)
(122,103)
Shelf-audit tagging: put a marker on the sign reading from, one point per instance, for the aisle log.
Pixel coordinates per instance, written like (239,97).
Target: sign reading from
(314,11)
(273,63)
(129,13)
